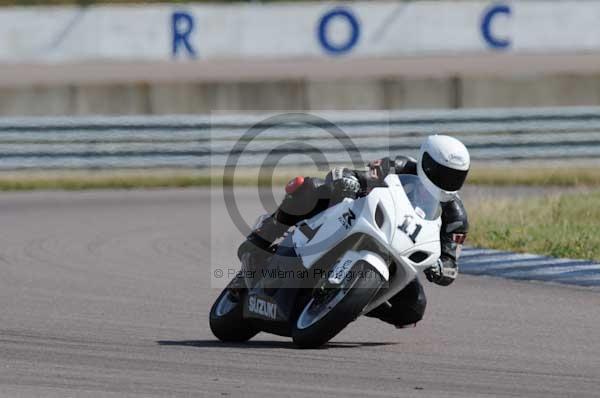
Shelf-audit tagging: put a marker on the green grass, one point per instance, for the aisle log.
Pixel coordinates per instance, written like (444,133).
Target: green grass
(120,180)
(117,182)
(81,180)
(541,176)
(560,226)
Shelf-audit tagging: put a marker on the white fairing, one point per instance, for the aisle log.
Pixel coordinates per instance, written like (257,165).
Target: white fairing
(344,265)
(403,232)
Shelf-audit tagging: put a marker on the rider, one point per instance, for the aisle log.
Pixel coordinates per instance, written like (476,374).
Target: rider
(442,167)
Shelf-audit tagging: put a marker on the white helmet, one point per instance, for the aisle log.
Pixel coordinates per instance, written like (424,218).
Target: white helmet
(443,166)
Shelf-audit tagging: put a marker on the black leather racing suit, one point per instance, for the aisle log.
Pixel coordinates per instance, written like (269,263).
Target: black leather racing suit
(314,195)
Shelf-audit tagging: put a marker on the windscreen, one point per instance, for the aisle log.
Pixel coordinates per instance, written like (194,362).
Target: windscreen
(425,205)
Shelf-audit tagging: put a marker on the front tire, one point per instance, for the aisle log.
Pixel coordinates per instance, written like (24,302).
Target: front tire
(320,321)
(227,321)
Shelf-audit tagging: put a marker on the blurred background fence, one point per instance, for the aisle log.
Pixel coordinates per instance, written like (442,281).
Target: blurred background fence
(209,141)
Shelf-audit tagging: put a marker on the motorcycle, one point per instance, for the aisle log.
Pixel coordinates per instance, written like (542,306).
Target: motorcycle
(334,267)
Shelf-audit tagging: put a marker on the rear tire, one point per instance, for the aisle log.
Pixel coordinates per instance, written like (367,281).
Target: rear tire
(227,321)
(363,287)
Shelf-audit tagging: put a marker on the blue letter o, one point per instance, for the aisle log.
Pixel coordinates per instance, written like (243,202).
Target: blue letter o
(347,15)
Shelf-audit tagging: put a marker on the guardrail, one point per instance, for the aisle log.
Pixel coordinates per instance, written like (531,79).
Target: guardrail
(292,139)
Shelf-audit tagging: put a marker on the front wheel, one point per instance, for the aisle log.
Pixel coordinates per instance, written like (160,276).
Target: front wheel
(227,321)
(331,308)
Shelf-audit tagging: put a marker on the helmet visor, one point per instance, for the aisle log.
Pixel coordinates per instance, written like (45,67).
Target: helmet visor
(443,177)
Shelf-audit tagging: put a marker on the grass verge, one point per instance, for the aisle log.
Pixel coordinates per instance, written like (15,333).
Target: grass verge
(536,176)
(560,225)
(130,179)
(80,180)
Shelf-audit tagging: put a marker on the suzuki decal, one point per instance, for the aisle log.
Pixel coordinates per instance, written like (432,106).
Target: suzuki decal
(262,307)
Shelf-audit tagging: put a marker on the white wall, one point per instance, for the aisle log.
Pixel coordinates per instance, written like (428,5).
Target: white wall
(122,60)
(290,31)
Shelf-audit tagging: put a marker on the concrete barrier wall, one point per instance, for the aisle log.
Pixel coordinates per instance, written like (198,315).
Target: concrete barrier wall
(385,93)
(531,91)
(290,31)
(164,59)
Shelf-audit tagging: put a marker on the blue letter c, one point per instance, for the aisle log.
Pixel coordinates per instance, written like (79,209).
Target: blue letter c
(486,23)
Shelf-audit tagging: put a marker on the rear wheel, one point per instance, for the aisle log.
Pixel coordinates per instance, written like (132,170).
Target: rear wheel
(331,308)
(226,318)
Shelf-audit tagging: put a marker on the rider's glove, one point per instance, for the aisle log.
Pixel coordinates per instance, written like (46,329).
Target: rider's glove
(443,273)
(343,184)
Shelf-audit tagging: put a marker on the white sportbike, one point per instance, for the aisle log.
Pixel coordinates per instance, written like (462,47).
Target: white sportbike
(336,266)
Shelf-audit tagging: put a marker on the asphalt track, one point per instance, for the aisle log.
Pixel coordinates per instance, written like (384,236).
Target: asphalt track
(107,294)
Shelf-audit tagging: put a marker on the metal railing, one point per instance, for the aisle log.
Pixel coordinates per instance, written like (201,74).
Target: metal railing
(292,139)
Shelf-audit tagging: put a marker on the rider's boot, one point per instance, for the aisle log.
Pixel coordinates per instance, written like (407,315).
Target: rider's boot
(261,239)
(256,248)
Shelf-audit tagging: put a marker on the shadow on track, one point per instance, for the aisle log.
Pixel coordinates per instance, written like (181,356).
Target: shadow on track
(264,344)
